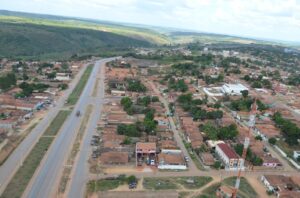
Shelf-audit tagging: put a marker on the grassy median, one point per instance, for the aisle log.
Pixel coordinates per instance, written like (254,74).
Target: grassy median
(74,96)
(75,148)
(20,180)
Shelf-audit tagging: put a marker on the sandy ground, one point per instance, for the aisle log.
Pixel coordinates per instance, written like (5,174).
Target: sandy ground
(136,194)
(258,186)
(129,169)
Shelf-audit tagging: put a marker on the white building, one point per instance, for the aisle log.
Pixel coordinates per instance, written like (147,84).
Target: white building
(234,89)
(229,157)
(296,154)
(62,77)
(171,160)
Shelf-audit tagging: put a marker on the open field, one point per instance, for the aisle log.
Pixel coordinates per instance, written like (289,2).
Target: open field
(175,183)
(12,143)
(20,180)
(245,190)
(74,96)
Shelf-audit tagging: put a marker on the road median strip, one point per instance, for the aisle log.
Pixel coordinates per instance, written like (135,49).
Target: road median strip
(74,96)
(20,180)
(65,178)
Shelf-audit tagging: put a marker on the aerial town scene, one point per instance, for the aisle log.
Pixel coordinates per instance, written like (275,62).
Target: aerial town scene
(91,107)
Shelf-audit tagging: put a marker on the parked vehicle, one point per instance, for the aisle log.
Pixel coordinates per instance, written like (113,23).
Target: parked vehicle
(152,162)
(132,185)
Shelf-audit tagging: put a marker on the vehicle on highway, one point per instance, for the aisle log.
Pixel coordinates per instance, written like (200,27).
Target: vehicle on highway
(186,158)
(78,113)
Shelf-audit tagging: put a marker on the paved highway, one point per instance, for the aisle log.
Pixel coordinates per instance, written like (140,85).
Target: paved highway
(81,169)
(44,182)
(14,161)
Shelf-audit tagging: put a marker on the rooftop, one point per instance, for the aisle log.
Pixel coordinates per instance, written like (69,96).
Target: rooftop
(228,151)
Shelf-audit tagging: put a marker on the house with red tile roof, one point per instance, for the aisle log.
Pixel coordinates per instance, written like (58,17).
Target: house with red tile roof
(228,156)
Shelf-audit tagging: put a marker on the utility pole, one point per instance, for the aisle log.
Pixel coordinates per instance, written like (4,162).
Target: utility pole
(251,124)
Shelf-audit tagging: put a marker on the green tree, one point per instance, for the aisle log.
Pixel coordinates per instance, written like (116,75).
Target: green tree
(245,93)
(247,78)
(228,132)
(131,179)
(217,165)
(272,140)
(210,131)
(258,137)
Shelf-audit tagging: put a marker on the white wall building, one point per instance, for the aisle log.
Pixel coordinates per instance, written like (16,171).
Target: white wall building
(296,154)
(171,160)
(62,77)
(229,157)
(234,89)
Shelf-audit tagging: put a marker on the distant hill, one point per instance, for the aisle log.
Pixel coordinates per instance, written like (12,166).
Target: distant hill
(31,40)
(25,35)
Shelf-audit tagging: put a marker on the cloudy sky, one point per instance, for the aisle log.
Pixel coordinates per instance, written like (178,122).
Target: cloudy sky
(271,19)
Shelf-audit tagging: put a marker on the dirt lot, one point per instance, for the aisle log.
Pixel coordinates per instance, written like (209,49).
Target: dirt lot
(136,194)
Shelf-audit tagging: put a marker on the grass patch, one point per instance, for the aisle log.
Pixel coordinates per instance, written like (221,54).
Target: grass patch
(175,182)
(198,182)
(245,189)
(103,185)
(20,180)
(210,191)
(159,184)
(74,96)
(183,194)
(108,184)
(95,90)
(287,148)
(57,122)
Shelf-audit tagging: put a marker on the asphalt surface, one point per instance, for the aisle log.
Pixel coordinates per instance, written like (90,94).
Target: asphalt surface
(45,181)
(80,174)
(14,161)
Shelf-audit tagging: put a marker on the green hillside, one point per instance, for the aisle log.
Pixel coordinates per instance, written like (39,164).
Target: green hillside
(25,35)
(39,36)
(31,40)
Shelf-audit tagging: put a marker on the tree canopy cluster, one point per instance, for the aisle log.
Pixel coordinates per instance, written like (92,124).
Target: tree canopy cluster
(149,124)
(289,129)
(294,79)
(135,85)
(28,88)
(212,80)
(7,81)
(186,68)
(139,106)
(214,132)
(251,157)
(177,85)
(258,82)
(135,130)
(187,102)
(146,100)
